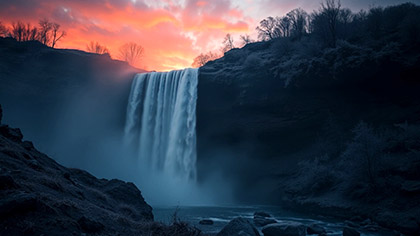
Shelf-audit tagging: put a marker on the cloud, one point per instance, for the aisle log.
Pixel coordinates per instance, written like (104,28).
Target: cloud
(172,32)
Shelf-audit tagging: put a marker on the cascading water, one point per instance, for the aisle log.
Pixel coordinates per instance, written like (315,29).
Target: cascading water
(161,119)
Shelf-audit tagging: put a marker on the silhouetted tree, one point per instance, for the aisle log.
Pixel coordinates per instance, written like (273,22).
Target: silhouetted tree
(284,24)
(23,32)
(18,29)
(29,33)
(331,11)
(266,29)
(95,47)
(131,53)
(202,59)
(410,25)
(345,18)
(299,22)
(45,27)
(4,31)
(55,34)
(48,33)
(366,148)
(246,39)
(228,43)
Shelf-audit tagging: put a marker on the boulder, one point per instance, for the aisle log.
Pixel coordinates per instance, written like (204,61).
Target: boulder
(90,226)
(28,145)
(347,231)
(351,224)
(262,221)
(13,134)
(239,227)
(285,229)
(316,229)
(261,214)
(411,187)
(206,222)
(7,182)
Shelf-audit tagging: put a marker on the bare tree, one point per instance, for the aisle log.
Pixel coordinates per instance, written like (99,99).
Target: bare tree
(131,53)
(266,28)
(202,59)
(367,148)
(45,26)
(23,32)
(299,22)
(284,24)
(246,39)
(48,33)
(331,10)
(4,31)
(29,33)
(55,34)
(95,47)
(18,30)
(32,33)
(228,43)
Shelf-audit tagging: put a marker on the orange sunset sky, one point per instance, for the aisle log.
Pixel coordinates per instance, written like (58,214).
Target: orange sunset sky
(171,32)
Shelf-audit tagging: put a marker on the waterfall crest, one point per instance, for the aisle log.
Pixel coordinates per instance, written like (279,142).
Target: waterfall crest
(161,120)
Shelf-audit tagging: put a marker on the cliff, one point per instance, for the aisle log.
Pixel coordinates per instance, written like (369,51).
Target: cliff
(39,196)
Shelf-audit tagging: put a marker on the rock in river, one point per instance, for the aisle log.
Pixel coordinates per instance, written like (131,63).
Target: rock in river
(239,227)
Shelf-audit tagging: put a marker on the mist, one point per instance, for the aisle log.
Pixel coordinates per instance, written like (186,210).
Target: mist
(83,127)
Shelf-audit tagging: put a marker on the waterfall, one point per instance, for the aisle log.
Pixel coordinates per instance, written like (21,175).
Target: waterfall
(160,125)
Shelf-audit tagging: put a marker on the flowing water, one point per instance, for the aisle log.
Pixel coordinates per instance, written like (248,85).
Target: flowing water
(161,119)
(222,215)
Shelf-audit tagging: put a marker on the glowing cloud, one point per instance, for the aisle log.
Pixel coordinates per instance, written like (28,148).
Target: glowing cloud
(171,32)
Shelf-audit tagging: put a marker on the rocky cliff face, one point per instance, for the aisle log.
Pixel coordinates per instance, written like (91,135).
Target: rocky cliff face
(63,99)
(273,107)
(293,127)
(40,197)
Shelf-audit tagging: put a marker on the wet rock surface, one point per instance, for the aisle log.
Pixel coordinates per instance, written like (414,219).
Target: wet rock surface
(206,222)
(262,219)
(39,196)
(285,228)
(239,227)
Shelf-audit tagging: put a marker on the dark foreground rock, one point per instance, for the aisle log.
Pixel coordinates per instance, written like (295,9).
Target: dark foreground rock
(261,214)
(262,219)
(206,222)
(316,229)
(348,231)
(239,227)
(39,196)
(285,229)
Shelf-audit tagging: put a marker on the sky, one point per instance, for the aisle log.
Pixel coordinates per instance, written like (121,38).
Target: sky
(172,33)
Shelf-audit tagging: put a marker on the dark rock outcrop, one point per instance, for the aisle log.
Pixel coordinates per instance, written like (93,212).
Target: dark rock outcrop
(315,229)
(348,231)
(40,86)
(261,214)
(39,196)
(285,228)
(291,116)
(239,227)
(206,222)
(262,219)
